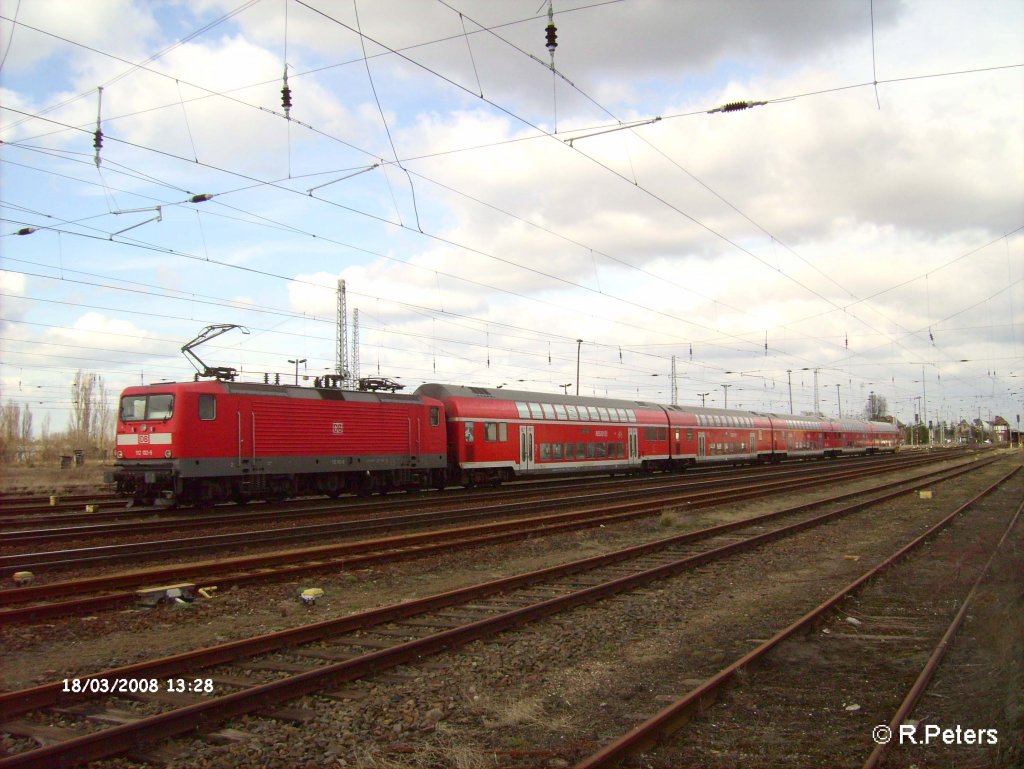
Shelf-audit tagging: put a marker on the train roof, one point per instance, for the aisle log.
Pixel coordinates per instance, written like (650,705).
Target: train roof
(282,391)
(844,422)
(441,391)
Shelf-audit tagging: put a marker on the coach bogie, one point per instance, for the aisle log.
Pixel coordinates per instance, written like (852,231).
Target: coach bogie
(330,484)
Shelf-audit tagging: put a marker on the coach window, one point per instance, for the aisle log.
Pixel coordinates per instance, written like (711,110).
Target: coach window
(556,452)
(523,409)
(535,411)
(495,431)
(560,412)
(207,407)
(581,451)
(545,452)
(549,410)
(570,451)
(470,432)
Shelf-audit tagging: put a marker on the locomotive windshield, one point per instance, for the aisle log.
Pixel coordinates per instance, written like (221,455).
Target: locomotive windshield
(136,408)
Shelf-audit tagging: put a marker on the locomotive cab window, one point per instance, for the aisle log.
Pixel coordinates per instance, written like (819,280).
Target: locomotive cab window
(133,408)
(136,408)
(435,416)
(207,407)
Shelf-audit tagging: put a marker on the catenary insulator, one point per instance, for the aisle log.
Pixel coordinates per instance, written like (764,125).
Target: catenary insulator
(286,96)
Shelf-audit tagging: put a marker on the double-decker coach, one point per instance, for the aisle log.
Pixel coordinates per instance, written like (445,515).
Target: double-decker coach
(707,435)
(496,434)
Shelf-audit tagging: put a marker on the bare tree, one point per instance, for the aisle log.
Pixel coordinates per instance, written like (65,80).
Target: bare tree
(26,425)
(81,407)
(10,429)
(91,416)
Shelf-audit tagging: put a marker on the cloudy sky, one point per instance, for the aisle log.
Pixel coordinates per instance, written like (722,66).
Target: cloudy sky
(864,219)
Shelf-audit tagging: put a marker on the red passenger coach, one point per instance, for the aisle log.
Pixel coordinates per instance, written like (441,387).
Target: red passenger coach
(213,441)
(496,434)
(705,435)
(810,436)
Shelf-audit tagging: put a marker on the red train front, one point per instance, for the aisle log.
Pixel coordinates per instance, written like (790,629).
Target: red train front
(210,441)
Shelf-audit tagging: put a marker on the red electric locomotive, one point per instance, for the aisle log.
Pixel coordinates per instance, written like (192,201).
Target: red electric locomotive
(210,441)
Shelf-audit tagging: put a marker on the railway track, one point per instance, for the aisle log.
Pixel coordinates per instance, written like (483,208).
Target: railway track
(322,658)
(154,520)
(852,662)
(121,518)
(600,510)
(428,512)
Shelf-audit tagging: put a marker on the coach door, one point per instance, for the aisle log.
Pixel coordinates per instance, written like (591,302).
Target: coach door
(525,448)
(634,447)
(702,446)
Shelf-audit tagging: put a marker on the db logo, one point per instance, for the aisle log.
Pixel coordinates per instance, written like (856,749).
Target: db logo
(144,438)
(338,428)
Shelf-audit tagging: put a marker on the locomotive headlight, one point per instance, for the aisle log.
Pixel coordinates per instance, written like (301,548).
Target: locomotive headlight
(167,454)
(119,454)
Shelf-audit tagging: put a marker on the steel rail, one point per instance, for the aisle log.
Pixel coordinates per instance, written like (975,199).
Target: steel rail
(318,503)
(120,738)
(673,716)
(156,519)
(188,545)
(346,555)
(928,672)
(285,638)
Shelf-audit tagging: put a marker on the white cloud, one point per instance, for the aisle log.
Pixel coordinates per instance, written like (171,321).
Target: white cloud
(815,219)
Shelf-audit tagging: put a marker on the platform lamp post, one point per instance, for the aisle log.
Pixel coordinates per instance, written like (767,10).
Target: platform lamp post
(579,343)
(726,387)
(702,396)
(839,402)
(789,382)
(297,361)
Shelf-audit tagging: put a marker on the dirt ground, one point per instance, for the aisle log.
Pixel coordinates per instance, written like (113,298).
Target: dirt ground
(50,479)
(553,691)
